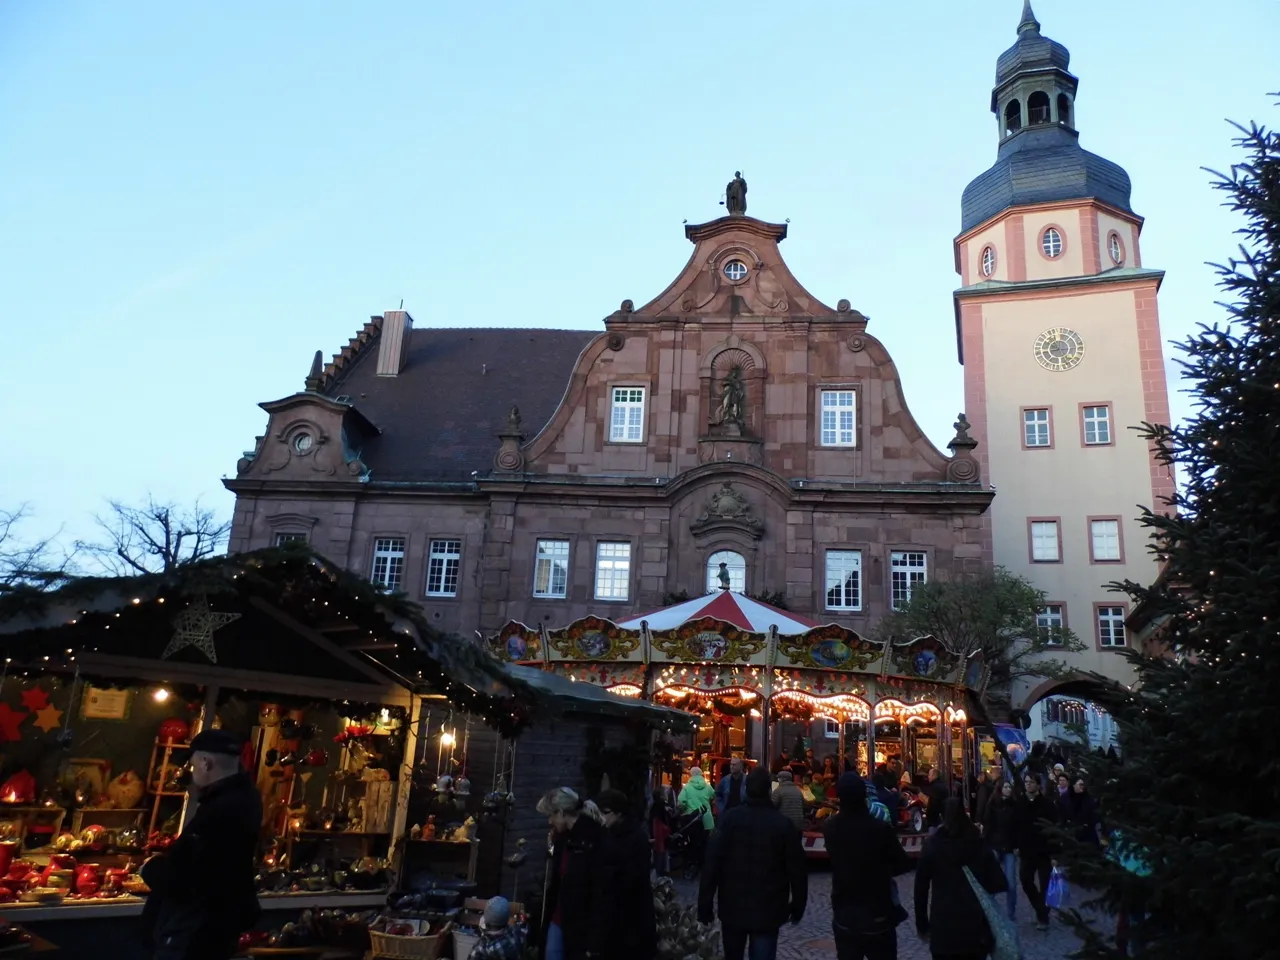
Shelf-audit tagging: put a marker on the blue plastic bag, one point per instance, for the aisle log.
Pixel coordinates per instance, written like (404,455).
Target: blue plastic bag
(1058,896)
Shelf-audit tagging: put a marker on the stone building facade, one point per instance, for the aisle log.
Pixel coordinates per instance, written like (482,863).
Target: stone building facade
(543,475)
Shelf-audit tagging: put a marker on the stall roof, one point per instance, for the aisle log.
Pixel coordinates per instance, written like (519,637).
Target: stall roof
(572,697)
(289,618)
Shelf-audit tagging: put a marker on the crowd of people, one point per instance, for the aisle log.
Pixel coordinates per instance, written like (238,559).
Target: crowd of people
(745,835)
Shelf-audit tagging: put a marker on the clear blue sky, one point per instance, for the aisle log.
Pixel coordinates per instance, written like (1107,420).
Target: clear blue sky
(197,196)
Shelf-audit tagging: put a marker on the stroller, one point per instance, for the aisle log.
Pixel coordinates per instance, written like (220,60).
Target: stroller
(686,845)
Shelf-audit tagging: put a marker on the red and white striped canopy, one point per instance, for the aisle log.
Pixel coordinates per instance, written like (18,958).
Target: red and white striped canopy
(735,608)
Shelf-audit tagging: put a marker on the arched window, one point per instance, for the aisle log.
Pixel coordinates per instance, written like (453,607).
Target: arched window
(1064,109)
(736,566)
(1051,243)
(988,265)
(1012,116)
(1038,107)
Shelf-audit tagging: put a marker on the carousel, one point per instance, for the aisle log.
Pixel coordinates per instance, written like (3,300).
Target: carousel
(753,673)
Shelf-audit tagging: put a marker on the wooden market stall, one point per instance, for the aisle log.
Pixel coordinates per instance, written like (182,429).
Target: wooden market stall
(105,681)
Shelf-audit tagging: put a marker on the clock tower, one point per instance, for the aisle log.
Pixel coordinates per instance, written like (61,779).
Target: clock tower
(1059,335)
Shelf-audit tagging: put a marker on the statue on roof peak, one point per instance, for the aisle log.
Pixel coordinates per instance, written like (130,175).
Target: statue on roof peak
(735,195)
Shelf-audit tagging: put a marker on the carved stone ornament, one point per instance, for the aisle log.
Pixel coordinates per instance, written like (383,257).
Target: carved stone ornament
(844,306)
(728,509)
(627,307)
(510,458)
(616,341)
(963,467)
(856,343)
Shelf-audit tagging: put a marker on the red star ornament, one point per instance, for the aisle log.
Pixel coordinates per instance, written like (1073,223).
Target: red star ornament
(9,721)
(35,699)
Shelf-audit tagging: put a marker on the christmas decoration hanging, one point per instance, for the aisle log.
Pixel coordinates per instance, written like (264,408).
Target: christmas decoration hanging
(47,718)
(9,721)
(35,699)
(194,627)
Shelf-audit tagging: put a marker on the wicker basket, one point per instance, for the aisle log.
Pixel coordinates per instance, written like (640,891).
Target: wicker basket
(463,944)
(410,948)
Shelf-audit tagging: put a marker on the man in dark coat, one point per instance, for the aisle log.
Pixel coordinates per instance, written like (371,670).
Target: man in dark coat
(755,865)
(636,931)
(865,857)
(954,923)
(1035,849)
(202,892)
(583,882)
(937,794)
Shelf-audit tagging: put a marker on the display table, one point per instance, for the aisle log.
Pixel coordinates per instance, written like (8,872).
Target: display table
(132,906)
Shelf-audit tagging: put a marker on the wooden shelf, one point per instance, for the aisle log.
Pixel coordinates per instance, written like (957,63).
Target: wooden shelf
(167,793)
(341,833)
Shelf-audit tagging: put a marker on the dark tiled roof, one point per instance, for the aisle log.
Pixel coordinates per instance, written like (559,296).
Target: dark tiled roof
(439,418)
(1030,52)
(1038,165)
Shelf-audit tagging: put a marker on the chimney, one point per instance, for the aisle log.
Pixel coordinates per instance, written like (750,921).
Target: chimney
(393,342)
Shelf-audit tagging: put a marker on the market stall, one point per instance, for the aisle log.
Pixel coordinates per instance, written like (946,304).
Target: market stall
(328,681)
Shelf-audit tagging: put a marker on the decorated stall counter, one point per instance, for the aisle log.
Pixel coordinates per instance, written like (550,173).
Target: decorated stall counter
(762,681)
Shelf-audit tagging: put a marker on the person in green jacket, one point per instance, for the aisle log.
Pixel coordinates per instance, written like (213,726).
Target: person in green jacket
(696,798)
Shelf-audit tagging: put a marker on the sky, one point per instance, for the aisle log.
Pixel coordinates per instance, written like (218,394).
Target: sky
(195,197)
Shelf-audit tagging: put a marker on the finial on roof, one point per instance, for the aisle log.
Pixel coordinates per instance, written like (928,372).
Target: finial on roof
(316,375)
(1028,23)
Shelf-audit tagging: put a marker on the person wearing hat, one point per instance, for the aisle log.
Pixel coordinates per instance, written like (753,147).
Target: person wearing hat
(500,939)
(637,928)
(202,891)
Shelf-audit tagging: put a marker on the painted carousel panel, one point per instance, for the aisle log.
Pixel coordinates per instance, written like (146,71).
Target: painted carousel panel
(593,639)
(709,640)
(831,647)
(516,642)
(924,658)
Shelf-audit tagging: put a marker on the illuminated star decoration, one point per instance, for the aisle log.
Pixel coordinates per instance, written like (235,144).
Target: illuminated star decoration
(9,720)
(35,699)
(48,717)
(194,627)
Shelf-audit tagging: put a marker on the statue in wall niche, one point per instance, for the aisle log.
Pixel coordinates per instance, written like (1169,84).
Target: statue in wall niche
(733,398)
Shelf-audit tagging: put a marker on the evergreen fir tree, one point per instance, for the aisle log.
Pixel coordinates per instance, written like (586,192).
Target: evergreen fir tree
(1199,787)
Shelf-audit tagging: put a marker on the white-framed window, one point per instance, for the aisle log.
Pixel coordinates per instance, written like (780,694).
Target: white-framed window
(283,538)
(626,416)
(551,569)
(1035,427)
(735,565)
(830,728)
(1045,546)
(613,571)
(1115,248)
(388,562)
(839,418)
(1097,424)
(988,260)
(1051,242)
(1050,621)
(906,569)
(844,580)
(444,564)
(1104,538)
(1111,627)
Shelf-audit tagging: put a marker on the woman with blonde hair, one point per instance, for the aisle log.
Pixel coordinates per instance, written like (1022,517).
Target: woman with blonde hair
(578,904)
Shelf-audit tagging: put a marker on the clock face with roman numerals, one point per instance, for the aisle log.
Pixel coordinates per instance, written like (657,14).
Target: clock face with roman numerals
(1059,348)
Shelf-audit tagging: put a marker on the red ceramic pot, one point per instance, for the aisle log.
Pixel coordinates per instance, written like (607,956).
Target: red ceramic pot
(62,861)
(174,730)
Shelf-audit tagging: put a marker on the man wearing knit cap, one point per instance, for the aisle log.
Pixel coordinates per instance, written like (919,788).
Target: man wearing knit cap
(499,939)
(865,857)
(202,891)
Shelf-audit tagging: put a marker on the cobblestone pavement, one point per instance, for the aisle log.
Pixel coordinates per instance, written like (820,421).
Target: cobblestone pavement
(811,938)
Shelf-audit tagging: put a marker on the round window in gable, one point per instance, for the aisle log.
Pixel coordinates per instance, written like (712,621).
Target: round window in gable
(1051,243)
(1115,248)
(302,442)
(988,264)
(735,271)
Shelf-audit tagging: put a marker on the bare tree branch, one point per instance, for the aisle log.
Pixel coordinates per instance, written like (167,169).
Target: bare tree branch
(40,563)
(155,537)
